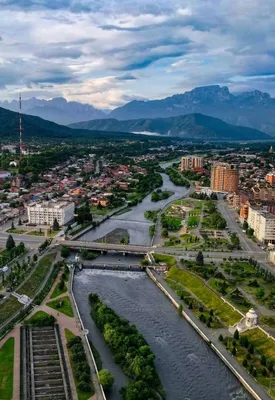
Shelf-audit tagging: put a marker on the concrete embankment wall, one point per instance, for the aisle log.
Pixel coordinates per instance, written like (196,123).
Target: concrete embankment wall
(85,336)
(217,351)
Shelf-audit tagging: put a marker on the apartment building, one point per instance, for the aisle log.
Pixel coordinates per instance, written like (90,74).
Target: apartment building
(270,178)
(224,178)
(264,193)
(191,163)
(46,212)
(263,224)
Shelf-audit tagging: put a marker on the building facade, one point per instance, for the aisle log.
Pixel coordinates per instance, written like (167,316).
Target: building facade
(191,163)
(263,224)
(45,213)
(224,178)
(264,193)
(270,178)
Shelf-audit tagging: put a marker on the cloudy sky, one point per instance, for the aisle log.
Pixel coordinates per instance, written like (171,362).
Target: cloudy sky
(108,52)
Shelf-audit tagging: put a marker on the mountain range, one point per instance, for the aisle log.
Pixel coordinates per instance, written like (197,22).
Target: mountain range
(58,110)
(196,126)
(38,128)
(252,109)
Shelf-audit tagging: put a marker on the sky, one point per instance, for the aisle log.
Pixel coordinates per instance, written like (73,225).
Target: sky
(109,52)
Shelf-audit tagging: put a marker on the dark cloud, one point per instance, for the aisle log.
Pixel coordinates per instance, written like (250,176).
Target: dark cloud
(126,77)
(145,61)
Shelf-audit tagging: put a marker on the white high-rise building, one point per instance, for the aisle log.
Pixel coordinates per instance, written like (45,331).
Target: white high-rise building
(263,224)
(45,213)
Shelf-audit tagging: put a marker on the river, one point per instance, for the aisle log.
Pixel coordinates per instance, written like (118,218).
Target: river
(134,221)
(188,368)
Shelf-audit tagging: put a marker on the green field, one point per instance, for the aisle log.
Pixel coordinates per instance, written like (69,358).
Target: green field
(32,285)
(262,343)
(57,291)
(210,299)
(80,394)
(6,369)
(62,305)
(269,321)
(193,221)
(164,258)
(8,308)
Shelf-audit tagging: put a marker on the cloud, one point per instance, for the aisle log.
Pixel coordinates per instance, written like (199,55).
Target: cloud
(126,77)
(107,52)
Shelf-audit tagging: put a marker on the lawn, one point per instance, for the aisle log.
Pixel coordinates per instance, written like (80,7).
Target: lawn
(57,291)
(262,343)
(210,299)
(62,305)
(81,395)
(269,321)
(100,211)
(37,316)
(164,258)
(18,231)
(6,369)
(36,233)
(239,301)
(8,308)
(32,285)
(193,221)
(222,286)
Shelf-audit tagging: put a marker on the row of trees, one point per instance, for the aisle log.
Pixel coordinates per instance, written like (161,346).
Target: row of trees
(130,350)
(176,177)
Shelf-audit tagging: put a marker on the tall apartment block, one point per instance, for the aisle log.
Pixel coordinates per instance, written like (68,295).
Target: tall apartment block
(191,163)
(224,178)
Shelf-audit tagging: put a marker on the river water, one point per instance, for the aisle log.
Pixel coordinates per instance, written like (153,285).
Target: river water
(134,221)
(188,368)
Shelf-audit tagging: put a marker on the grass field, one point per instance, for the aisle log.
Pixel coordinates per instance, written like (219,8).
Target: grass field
(262,343)
(193,221)
(31,286)
(269,321)
(37,316)
(81,395)
(57,291)
(210,299)
(6,369)
(163,258)
(8,308)
(62,305)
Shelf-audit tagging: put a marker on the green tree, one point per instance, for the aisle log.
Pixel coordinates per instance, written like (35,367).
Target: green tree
(20,222)
(12,226)
(55,225)
(236,334)
(35,257)
(200,259)
(10,244)
(245,225)
(65,251)
(106,379)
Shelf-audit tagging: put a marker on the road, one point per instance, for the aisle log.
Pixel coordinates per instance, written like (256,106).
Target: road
(231,215)
(29,240)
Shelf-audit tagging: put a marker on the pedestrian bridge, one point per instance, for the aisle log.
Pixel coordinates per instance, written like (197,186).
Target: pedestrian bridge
(120,248)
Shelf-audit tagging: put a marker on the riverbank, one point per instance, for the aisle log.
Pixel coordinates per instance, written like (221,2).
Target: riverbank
(187,367)
(211,339)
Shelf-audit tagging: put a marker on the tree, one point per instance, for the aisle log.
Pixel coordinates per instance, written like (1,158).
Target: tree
(35,257)
(12,226)
(245,362)
(245,225)
(20,222)
(250,348)
(10,244)
(221,338)
(263,360)
(65,251)
(236,334)
(200,259)
(106,379)
(234,351)
(55,225)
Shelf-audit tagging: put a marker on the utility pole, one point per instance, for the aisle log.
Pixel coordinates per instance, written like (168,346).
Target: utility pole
(20,127)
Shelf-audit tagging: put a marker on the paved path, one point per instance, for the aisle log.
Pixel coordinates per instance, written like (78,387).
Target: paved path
(213,337)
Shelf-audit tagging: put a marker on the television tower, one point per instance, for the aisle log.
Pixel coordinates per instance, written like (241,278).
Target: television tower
(20,127)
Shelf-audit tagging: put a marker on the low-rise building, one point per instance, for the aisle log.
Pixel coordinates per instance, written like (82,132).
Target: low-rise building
(263,224)
(45,213)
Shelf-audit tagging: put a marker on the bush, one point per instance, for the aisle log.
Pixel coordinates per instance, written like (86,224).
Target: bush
(84,386)
(106,379)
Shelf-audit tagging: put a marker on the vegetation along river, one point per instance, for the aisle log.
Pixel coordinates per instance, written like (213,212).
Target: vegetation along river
(188,368)
(134,221)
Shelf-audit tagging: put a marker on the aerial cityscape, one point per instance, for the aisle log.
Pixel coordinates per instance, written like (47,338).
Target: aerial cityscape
(137,200)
